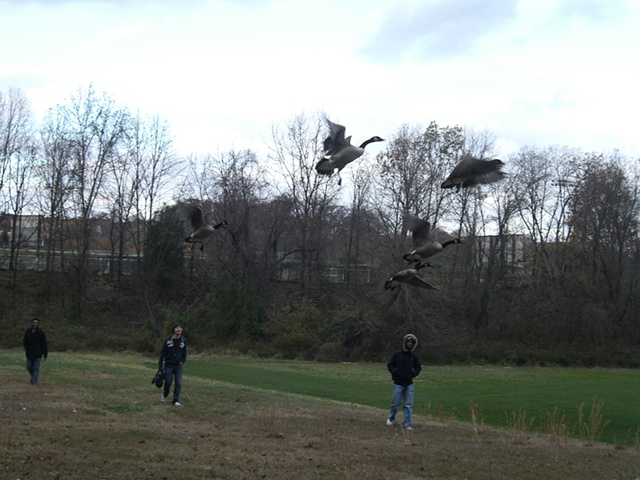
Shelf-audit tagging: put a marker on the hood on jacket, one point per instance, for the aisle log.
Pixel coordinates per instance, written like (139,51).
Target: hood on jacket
(404,341)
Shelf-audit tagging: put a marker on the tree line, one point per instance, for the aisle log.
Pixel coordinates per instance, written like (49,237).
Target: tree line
(547,271)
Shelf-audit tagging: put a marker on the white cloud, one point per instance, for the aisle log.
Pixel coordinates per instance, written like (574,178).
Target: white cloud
(426,31)
(535,72)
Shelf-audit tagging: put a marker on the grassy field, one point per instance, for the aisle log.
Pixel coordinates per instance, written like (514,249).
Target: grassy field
(98,416)
(501,396)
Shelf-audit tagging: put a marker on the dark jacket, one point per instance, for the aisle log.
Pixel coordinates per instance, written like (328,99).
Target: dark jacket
(404,364)
(174,352)
(35,344)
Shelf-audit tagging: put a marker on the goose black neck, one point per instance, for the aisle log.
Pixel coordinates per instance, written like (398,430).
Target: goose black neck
(449,242)
(367,142)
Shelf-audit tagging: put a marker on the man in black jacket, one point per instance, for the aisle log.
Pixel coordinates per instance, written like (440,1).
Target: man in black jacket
(35,347)
(404,366)
(173,355)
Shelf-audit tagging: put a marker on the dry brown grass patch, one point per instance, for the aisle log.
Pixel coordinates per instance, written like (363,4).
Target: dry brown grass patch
(97,430)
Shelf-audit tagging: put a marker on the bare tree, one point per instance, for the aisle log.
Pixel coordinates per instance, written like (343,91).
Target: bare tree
(229,186)
(604,217)
(297,146)
(542,193)
(20,193)
(239,188)
(15,128)
(199,187)
(54,173)
(139,172)
(17,156)
(122,189)
(359,229)
(157,164)
(93,128)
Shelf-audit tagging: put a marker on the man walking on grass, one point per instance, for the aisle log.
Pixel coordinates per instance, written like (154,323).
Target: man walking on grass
(404,366)
(35,347)
(173,355)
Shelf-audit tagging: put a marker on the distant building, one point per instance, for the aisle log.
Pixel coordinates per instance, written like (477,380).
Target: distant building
(506,250)
(29,230)
(5,230)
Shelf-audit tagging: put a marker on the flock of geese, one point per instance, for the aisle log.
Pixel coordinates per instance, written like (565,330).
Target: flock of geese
(338,153)
(423,247)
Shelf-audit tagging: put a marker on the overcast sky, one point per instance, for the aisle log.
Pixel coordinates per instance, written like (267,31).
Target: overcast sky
(222,72)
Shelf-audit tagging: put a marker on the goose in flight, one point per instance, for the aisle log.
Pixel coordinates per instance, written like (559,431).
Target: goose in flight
(201,229)
(338,151)
(409,276)
(474,171)
(423,246)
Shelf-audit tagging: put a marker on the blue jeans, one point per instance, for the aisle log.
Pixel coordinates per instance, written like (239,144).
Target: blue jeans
(402,394)
(33,365)
(172,372)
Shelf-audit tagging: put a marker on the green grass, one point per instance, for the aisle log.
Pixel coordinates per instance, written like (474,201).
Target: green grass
(499,393)
(540,397)
(99,416)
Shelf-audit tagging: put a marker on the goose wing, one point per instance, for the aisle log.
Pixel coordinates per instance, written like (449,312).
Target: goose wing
(488,173)
(195,215)
(419,282)
(336,140)
(420,229)
(408,276)
(474,171)
(397,278)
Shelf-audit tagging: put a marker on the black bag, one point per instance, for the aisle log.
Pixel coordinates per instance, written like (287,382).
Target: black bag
(158,379)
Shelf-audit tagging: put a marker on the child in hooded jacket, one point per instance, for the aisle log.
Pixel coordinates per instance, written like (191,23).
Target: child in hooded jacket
(404,366)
